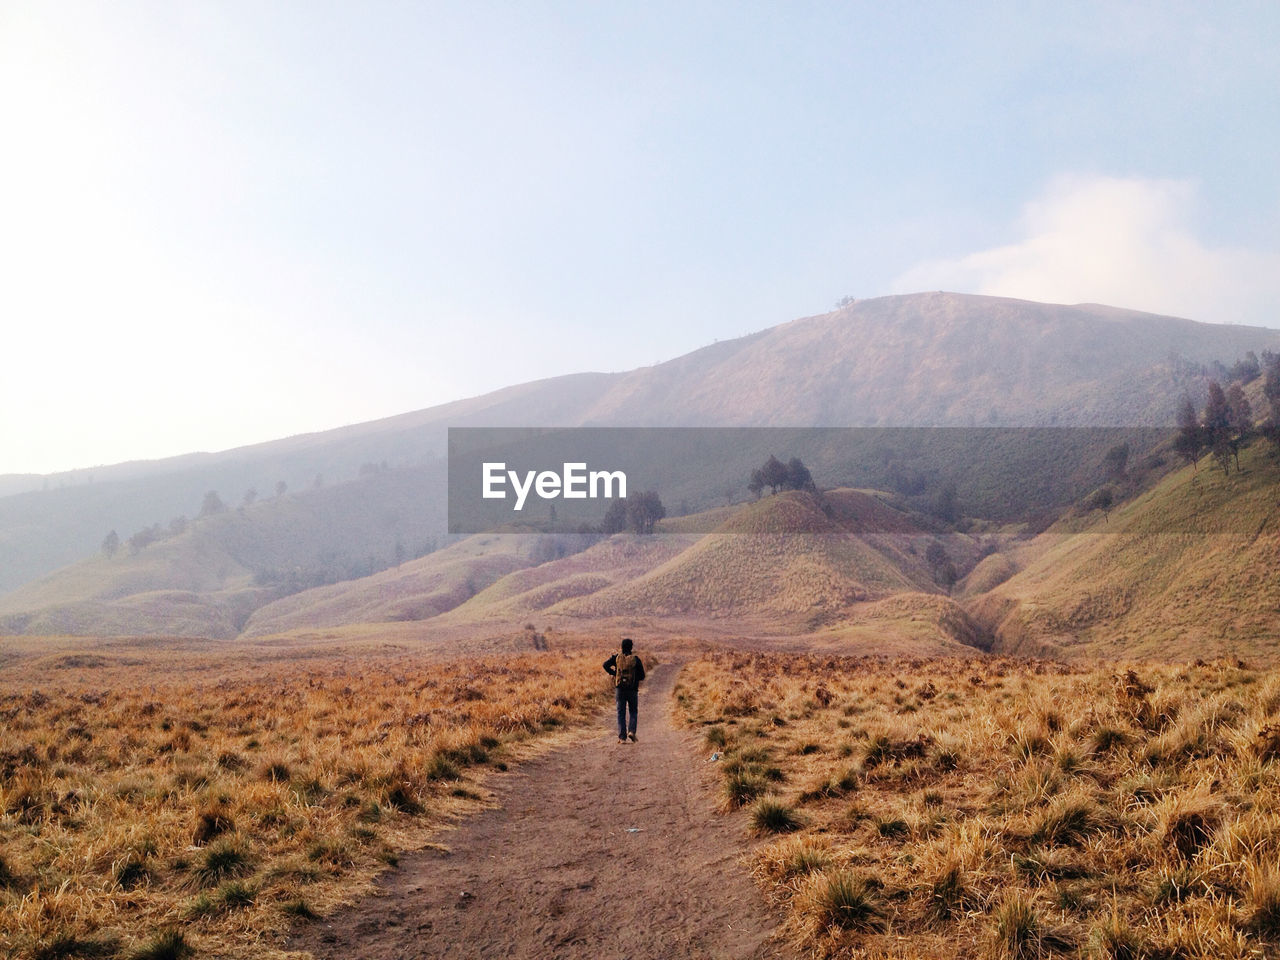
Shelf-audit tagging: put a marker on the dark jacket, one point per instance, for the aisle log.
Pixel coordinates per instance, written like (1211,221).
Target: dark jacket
(611,667)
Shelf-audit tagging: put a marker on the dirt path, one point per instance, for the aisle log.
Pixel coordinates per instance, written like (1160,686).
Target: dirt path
(557,871)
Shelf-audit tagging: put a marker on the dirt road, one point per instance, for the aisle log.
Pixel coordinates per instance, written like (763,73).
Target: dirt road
(599,850)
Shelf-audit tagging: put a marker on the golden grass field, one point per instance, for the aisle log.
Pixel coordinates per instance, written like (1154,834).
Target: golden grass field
(1003,809)
(159,798)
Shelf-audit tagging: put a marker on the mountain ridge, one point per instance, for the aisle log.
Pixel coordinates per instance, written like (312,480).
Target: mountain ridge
(917,359)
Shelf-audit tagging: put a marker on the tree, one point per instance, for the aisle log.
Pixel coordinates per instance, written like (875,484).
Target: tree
(111,544)
(212,504)
(1115,461)
(1271,390)
(615,518)
(177,525)
(757,484)
(1271,386)
(945,505)
(1216,424)
(643,511)
(774,474)
(1189,443)
(400,553)
(798,476)
(940,565)
(143,539)
(1103,499)
(281,487)
(1240,419)
(250,496)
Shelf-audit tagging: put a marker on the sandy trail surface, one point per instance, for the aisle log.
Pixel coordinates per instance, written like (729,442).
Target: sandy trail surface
(598,850)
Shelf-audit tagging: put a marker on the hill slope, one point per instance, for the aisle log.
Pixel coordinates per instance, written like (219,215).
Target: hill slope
(1189,569)
(786,565)
(912,360)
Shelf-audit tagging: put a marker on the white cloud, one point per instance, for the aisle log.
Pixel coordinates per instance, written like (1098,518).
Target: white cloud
(1125,242)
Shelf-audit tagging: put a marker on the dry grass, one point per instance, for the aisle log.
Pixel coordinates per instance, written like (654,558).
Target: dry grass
(144,795)
(990,809)
(1186,569)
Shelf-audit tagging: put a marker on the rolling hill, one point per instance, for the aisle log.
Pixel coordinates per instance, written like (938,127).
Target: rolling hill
(784,566)
(360,498)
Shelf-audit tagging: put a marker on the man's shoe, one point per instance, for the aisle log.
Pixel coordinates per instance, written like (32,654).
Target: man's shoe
(632,736)
(622,739)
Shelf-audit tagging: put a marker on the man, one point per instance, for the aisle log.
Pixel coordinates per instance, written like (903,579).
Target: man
(627,672)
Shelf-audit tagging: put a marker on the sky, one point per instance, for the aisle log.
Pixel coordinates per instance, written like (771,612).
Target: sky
(222,223)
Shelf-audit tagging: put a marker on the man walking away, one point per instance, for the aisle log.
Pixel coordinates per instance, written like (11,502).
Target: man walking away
(627,672)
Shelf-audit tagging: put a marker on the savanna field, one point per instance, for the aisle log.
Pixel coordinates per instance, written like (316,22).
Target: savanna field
(161,804)
(161,801)
(1003,809)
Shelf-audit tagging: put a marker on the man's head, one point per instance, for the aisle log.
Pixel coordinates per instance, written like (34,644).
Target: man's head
(626,644)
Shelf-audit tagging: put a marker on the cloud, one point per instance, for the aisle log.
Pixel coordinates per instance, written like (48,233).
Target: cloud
(1125,242)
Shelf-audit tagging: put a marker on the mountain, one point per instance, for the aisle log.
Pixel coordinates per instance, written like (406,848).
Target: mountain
(367,497)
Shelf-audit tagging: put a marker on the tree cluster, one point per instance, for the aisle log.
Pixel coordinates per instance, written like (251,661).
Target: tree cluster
(1271,390)
(637,513)
(1221,430)
(776,475)
(940,565)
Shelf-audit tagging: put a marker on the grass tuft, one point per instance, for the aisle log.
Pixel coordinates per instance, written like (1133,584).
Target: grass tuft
(165,945)
(741,787)
(769,815)
(221,861)
(844,901)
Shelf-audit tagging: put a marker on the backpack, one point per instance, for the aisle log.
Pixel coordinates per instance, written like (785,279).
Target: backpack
(625,670)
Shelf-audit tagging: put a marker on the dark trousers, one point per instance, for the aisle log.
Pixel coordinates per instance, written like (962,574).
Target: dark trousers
(627,699)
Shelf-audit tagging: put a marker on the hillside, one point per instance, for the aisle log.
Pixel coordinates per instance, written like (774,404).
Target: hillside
(1186,570)
(203,577)
(847,564)
(354,493)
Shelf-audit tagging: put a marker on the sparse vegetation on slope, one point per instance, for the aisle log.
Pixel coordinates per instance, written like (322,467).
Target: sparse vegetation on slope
(1186,569)
(962,809)
(136,799)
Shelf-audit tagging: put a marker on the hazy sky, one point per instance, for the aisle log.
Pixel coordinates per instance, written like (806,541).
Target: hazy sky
(224,223)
